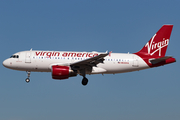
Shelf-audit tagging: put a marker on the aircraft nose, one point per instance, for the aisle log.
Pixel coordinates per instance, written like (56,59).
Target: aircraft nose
(5,63)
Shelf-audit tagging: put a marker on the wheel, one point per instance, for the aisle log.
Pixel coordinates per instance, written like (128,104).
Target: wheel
(27,80)
(84,81)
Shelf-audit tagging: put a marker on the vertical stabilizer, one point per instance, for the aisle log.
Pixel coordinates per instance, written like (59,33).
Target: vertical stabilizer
(153,53)
(156,47)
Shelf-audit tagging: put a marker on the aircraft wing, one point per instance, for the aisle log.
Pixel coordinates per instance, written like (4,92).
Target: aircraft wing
(93,61)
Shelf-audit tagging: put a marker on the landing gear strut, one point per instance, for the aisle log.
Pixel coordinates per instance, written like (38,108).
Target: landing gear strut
(28,74)
(84,81)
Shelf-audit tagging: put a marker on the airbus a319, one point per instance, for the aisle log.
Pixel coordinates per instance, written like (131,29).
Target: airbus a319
(65,64)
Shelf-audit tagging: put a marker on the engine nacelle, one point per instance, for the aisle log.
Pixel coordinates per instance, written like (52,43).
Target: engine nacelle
(62,72)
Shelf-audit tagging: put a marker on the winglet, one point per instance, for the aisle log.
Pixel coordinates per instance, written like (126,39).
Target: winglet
(110,53)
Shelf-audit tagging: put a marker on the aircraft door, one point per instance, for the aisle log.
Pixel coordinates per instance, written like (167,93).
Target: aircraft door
(135,61)
(28,57)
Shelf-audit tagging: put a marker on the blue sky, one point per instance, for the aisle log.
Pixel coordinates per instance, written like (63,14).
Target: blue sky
(88,25)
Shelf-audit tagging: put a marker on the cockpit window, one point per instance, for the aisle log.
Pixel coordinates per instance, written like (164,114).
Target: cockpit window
(14,56)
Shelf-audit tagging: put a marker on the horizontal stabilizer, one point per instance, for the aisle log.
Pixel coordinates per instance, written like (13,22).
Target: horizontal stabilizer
(158,60)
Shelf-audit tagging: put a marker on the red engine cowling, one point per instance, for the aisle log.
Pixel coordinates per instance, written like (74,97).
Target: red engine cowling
(61,72)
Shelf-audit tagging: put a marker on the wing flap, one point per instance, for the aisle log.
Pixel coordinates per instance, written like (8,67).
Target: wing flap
(98,70)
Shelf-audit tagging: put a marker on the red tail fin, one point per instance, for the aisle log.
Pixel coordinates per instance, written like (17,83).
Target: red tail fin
(157,45)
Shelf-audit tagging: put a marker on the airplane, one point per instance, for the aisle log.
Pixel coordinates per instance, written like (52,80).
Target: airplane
(65,64)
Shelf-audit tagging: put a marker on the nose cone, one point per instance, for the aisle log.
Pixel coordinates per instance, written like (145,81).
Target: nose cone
(5,63)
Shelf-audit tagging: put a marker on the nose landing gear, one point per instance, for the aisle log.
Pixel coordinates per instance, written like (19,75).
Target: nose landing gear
(27,80)
(84,81)
(28,74)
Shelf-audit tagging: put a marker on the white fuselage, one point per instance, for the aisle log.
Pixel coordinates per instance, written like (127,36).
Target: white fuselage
(42,61)
(65,64)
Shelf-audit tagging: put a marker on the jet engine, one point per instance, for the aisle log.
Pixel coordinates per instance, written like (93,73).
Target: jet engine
(62,72)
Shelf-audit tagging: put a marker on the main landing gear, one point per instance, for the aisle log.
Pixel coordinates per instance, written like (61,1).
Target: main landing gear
(84,81)
(28,74)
